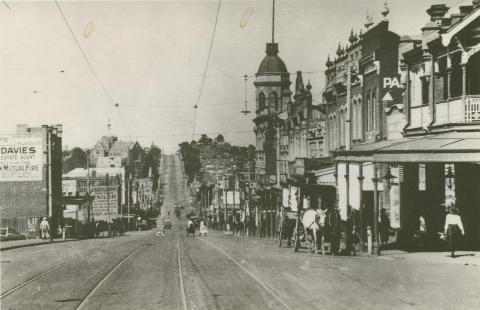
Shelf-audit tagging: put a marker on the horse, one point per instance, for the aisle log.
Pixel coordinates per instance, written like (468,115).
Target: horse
(314,225)
(100,228)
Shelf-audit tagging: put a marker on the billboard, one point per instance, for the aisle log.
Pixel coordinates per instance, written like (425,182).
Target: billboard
(21,159)
(105,204)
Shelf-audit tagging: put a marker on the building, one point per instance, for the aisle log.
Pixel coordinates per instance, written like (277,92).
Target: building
(419,151)
(106,185)
(30,178)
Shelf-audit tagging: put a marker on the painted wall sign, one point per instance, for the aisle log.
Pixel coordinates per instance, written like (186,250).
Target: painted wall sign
(21,159)
(391,82)
(106,200)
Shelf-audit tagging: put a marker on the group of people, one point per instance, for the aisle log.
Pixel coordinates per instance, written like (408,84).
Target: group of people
(192,225)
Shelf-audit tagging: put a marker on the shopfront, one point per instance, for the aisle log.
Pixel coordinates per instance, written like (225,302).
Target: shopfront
(413,180)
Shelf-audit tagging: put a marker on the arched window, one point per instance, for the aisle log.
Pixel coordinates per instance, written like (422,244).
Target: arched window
(354,120)
(261,101)
(274,101)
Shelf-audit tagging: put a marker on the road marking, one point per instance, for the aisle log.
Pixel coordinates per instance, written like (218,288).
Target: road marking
(99,284)
(180,273)
(250,274)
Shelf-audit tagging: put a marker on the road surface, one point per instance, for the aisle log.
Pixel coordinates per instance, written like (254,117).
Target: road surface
(143,271)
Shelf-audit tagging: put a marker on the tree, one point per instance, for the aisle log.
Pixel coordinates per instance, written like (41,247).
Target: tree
(219,139)
(75,158)
(205,140)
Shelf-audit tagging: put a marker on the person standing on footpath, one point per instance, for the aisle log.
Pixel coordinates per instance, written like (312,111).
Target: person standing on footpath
(453,228)
(44,228)
(384,226)
(203,228)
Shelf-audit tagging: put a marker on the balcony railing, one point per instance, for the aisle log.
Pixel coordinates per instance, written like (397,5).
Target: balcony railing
(458,110)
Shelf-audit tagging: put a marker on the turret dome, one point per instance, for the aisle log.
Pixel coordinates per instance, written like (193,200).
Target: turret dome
(272,63)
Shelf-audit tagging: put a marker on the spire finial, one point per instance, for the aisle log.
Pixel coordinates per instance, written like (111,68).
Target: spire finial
(369,21)
(273,21)
(385,11)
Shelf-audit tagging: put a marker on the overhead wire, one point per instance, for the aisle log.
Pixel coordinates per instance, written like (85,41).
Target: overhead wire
(206,69)
(92,70)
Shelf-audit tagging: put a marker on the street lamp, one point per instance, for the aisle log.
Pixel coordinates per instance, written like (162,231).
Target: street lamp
(388,177)
(450,177)
(246,111)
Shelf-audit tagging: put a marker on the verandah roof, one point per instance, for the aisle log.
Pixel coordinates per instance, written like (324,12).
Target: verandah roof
(447,147)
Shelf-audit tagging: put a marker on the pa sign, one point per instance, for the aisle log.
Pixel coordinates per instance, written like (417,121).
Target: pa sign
(389,82)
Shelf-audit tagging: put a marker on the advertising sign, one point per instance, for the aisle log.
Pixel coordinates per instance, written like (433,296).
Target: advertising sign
(21,159)
(106,197)
(292,199)
(109,162)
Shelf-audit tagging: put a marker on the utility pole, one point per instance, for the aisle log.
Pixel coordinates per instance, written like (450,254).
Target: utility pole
(49,164)
(108,205)
(129,194)
(88,186)
(234,190)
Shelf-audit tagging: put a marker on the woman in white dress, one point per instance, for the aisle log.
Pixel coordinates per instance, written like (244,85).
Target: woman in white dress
(453,228)
(203,228)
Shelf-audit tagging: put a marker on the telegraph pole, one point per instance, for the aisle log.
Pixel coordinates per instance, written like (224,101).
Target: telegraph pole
(108,205)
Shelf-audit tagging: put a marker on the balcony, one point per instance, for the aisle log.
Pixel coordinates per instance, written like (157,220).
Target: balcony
(458,110)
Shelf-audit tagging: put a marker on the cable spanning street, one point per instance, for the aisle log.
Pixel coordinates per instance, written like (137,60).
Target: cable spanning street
(145,271)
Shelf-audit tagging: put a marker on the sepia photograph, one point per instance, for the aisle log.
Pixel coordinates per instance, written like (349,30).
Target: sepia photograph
(240,154)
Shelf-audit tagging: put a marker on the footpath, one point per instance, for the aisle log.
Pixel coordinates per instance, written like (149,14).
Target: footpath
(467,258)
(15,244)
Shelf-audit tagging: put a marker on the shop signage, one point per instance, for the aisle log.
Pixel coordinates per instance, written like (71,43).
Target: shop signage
(395,206)
(21,159)
(106,196)
(292,199)
(390,82)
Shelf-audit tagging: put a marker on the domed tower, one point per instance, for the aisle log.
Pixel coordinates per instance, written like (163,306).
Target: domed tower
(272,88)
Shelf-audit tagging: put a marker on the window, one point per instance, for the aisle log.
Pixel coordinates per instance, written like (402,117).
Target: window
(274,101)
(425,89)
(359,119)
(354,120)
(374,109)
(368,109)
(261,101)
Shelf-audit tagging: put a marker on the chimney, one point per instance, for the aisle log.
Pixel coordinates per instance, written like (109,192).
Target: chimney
(22,129)
(437,11)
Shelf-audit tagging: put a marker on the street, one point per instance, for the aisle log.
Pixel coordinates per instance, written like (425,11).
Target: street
(145,271)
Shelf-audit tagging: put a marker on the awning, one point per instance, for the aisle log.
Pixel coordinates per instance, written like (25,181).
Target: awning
(447,147)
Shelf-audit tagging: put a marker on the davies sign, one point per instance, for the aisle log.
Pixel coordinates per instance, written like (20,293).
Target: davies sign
(21,159)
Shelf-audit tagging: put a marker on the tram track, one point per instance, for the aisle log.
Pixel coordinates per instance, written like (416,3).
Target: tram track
(84,301)
(63,264)
(42,274)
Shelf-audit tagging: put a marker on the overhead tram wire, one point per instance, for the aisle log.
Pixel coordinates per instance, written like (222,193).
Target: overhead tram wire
(90,66)
(206,69)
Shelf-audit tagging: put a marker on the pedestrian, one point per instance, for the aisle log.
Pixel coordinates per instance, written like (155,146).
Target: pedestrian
(384,226)
(44,228)
(203,228)
(453,227)
(334,222)
(190,227)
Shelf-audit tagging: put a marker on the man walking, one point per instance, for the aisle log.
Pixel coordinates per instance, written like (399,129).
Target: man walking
(44,228)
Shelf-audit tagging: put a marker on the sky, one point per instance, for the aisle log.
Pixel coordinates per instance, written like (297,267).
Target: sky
(150,57)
